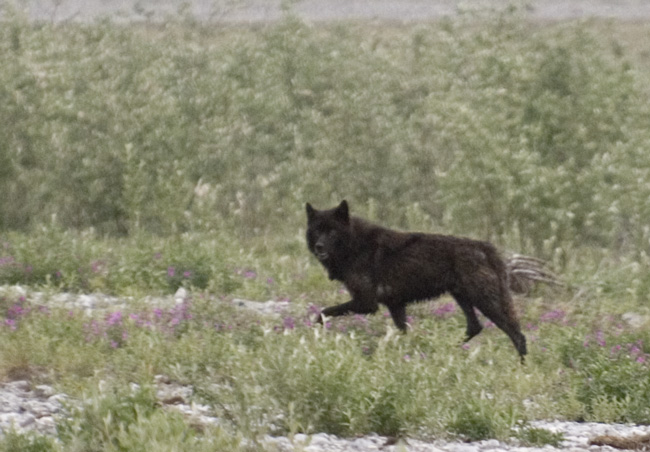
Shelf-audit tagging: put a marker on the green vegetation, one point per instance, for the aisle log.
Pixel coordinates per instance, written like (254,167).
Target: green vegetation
(138,159)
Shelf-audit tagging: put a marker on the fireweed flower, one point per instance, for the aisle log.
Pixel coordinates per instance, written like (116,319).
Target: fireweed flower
(171,271)
(289,323)
(552,316)
(114,318)
(11,323)
(96,266)
(444,310)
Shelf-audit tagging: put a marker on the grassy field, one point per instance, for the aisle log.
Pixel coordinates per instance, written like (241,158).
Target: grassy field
(136,160)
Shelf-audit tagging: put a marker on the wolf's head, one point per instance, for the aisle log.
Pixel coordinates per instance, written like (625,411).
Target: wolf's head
(329,236)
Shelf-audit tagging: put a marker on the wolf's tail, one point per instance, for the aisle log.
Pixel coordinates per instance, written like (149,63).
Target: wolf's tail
(525,271)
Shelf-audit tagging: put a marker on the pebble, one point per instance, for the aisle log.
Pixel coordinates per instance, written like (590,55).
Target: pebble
(26,407)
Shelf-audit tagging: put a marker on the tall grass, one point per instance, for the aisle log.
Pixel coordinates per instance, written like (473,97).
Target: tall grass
(537,132)
(282,376)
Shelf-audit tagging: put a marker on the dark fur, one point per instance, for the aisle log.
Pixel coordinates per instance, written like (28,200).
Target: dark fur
(380,265)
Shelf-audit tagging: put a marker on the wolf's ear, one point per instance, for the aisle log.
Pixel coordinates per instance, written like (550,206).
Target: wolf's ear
(310,211)
(342,212)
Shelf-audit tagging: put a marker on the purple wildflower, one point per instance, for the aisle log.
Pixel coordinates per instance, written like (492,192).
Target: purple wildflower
(96,266)
(114,318)
(444,310)
(552,316)
(289,323)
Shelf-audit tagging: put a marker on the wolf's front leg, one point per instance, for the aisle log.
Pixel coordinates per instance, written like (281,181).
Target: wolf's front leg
(351,307)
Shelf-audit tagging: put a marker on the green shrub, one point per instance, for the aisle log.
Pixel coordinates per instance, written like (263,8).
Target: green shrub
(539,437)
(27,442)
(609,376)
(473,422)
(536,131)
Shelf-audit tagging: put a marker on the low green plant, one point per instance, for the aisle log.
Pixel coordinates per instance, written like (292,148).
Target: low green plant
(473,422)
(609,376)
(539,437)
(11,441)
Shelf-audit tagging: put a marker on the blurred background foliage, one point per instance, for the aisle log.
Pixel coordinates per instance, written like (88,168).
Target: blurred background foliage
(535,137)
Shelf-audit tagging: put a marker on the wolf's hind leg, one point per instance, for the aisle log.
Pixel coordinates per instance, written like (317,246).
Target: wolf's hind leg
(473,325)
(503,317)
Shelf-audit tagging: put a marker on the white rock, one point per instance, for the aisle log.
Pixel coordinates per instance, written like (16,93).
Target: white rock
(57,398)
(634,319)
(300,438)
(46,425)
(271,307)
(180,295)
(39,409)
(44,391)
(27,419)
(19,386)
(490,444)
(364,444)
(9,402)
(9,420)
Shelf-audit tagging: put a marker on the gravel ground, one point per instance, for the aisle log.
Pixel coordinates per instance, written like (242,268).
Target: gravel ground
(319,10)
(24,407)
(28,407)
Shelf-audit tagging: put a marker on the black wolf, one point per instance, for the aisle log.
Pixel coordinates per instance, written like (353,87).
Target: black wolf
(380,265)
